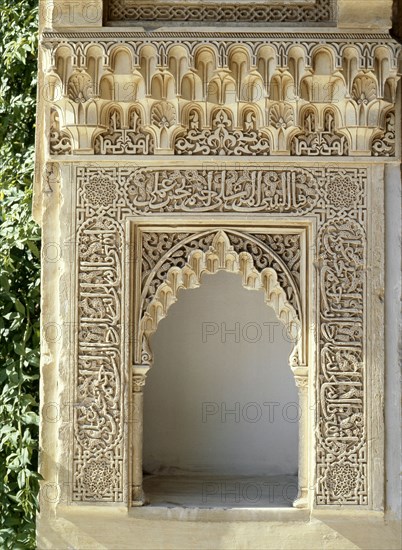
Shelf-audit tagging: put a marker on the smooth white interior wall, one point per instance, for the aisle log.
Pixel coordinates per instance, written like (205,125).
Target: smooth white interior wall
(221,402)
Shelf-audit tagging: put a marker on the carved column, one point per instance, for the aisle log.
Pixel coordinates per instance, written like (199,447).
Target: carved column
(301,379)
(139,374)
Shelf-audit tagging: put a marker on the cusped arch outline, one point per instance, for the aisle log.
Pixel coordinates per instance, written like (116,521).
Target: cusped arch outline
(220,256)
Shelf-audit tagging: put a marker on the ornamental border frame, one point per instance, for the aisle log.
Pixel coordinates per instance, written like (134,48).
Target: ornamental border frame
(375,353)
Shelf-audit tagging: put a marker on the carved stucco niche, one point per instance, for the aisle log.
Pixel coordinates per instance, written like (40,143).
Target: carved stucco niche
(334,200)
(171,261)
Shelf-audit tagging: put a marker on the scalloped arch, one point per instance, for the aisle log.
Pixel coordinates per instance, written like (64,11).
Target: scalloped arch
(220,256)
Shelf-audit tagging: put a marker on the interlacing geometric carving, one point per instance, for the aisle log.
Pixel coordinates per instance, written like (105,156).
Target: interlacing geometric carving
(342,191)
(335,197)
(314,141)
(117,140)
(222,139)
(100,189)
(321,11)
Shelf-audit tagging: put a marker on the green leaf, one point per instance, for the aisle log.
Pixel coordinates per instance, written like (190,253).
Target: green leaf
(21,478)
(12,315)
(34,249)
(19,276)
(19,307)
(30,418)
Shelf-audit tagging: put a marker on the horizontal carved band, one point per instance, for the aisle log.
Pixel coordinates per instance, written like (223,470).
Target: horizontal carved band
(276,190)
(318,11)
(222,97)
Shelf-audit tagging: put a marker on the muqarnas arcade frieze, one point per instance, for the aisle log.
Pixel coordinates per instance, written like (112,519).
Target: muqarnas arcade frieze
(264,94)
(335,200)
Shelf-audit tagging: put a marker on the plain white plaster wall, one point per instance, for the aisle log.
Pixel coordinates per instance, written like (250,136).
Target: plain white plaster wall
(393,326)
(194,384)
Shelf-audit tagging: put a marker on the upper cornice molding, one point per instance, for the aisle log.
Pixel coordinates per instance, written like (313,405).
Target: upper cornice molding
(235,35)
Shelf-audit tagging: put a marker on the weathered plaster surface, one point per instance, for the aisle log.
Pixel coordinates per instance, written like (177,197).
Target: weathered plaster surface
(102,529)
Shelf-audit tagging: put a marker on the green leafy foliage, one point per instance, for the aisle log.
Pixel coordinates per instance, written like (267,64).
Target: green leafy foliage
(19,277)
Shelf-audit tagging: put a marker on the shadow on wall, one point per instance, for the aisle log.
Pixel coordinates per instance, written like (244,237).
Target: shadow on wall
(396,30)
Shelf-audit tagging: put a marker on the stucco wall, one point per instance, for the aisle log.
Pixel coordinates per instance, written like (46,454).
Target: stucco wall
(393,327)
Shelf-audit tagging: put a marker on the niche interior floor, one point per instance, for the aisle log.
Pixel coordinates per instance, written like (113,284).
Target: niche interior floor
(213,491)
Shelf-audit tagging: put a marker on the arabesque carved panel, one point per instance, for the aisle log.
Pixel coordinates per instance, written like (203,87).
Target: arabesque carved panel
(99,421)
(342,445)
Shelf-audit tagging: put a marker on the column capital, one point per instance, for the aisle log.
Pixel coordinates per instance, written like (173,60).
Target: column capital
(139,374)
(300,373)
(301,381)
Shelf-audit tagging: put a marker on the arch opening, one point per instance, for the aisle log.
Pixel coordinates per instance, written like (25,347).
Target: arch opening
(220,256)
(283,475)
(221,408)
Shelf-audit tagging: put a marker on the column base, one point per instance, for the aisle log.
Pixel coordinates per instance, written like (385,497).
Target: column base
(138,496)
(301,500)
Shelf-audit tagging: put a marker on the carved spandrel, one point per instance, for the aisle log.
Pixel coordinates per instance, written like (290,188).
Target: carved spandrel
(219,255)
(162,251)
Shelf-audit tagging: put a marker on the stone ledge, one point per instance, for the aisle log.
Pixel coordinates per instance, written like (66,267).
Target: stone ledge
(95,527)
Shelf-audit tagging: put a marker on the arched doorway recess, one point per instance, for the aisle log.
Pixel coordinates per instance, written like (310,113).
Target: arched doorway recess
(220,255)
